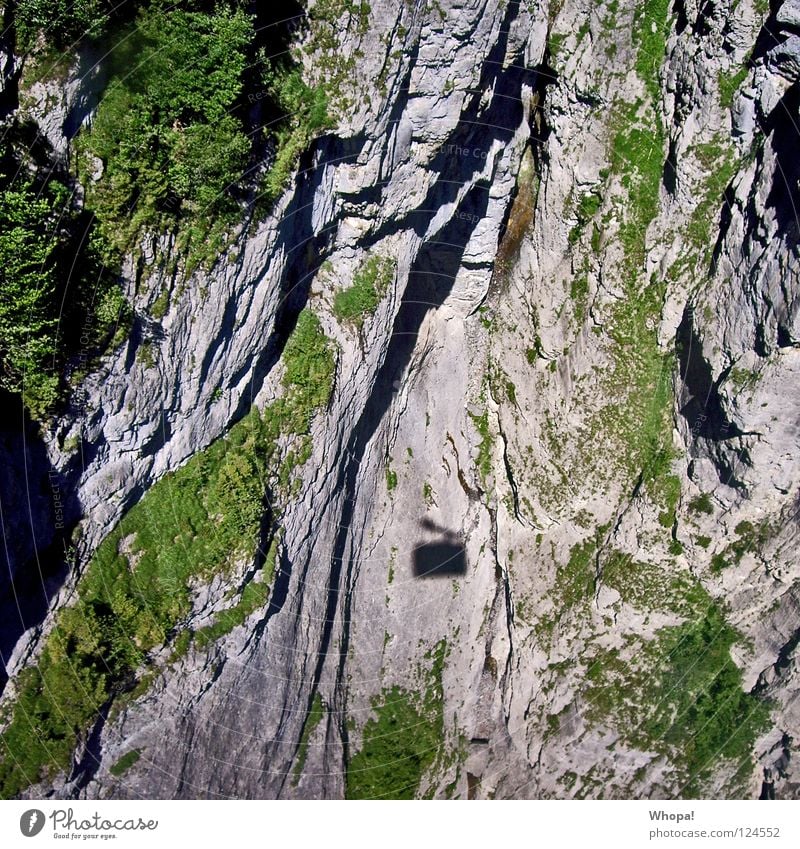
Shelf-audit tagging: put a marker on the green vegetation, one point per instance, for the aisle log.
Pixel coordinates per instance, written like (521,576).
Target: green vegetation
(555,44)
(639,421)
(701,714)
(729,85)
(743,379)
(310,366)
(125,762)
(191,524)
(160,305)
(579,293)
(391,479)
(166,132)
(27,285)
(254,597)
(665,488)
(636,155)
(135,595)
(654,440)
(586,209)
(62,22)
(749,538)
(638,141)
(305,116)
(486,317)
(574,587)
(398,747)
(403,740)
(313,719)
(55,295)
(145,354)
(719,162)
(702,504)
(370,284)
(172,135)
(334,68)
(484,461)
(575,580)
(681,696)
(762,7)
(719,562)
(651,26)
(647,586)
(172,127)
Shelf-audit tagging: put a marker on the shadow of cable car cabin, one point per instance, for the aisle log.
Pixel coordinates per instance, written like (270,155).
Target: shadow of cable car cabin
(444,557)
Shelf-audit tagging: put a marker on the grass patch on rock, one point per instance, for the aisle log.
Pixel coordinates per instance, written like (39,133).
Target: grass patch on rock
(313,719)
(370,284)
(403,740)
(680,695)
(121,766)
(136,593)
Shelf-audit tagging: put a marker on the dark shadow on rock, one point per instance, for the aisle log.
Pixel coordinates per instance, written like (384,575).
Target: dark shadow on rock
(767,785)
(443,558)
(430,282)
(92,74)
(784,197)
(701,405)
(38,510)
(9,71)
(771,35)
(305,248)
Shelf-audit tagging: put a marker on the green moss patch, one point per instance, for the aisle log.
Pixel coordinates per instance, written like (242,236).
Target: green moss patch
(485,446)
(681,696)
(750,538)
(370,284)
(403,740)
(647,586)
(121,766)
(135,595)
(313,719)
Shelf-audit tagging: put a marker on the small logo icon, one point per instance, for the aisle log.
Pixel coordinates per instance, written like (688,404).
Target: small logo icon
(31,822)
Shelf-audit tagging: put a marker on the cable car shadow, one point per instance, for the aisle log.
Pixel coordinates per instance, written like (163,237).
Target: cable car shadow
(441,557)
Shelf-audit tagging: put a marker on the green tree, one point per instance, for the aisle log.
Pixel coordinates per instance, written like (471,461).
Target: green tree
(27,286)
(61,21)
(166,129)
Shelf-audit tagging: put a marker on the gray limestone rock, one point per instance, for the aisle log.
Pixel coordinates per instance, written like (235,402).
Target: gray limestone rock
(498,166)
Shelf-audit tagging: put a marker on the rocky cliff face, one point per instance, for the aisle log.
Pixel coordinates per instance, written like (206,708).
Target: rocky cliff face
(544,542)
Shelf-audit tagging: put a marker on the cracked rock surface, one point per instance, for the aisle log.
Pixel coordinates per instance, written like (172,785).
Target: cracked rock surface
(506,380)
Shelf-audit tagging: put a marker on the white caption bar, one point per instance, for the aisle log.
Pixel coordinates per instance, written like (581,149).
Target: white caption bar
(406,825)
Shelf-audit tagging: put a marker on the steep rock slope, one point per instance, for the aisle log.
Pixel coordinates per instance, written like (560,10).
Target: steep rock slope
(540,542)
